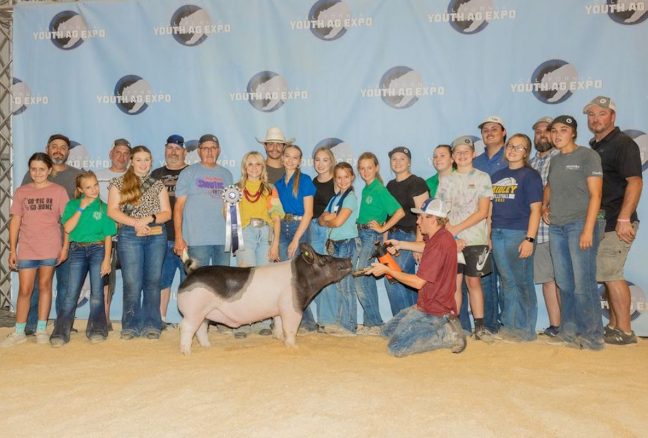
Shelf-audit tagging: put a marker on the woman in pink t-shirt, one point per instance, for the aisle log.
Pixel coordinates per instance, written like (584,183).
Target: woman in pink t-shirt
(36,244)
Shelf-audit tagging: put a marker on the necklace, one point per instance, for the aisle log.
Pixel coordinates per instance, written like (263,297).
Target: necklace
(252,197)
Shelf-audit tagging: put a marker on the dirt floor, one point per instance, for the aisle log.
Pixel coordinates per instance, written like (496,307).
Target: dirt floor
(328,386)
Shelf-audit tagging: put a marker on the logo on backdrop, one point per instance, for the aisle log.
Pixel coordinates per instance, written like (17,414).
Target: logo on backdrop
(621,11)
(470,16)
(641,139)
(328,20)
(68,30)
(554,81)
(267,91)
(133,95)
(638,303)
(342,151)
(400,87)
(191,25)
(22,97)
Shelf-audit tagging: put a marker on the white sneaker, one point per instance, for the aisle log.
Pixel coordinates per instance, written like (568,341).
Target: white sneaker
(42,338)
(374,330)
(13,339)
(336,330)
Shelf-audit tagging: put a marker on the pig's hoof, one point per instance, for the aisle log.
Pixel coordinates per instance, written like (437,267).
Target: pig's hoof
(205,344)
(185,349)
(290,345)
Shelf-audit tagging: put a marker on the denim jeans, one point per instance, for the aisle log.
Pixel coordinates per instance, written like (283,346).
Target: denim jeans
(171,264)
(256,246)
(61,272)
(208,255)
(141,260)
(326,300)
(412,331)
(400,296)
(517,291)
(288,230)
(366,284)
(492,301)
(81,261)
(575,271)
(347,307)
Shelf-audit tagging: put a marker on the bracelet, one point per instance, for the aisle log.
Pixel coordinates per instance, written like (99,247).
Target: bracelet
(80,210)
(154,218)
(623,220)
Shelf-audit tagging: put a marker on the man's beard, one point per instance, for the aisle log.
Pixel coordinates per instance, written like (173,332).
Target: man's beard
(543,146)
(60,160)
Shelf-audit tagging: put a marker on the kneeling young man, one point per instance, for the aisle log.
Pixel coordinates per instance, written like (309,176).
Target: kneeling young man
(432,322)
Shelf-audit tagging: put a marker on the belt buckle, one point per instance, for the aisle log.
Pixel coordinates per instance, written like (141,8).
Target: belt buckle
(257,222)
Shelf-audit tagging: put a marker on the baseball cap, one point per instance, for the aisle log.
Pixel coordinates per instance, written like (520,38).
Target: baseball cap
(544,119)
(208,137)
(59,137)
(464,140)
(122,142)
(492,119)
(176,139)
(401,149)
(602,101)
(434,207)
(565,120)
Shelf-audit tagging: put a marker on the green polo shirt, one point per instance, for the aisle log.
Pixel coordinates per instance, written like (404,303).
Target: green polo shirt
(94,224)
(377,203)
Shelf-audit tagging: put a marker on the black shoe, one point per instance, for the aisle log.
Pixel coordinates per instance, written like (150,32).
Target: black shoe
(619,337)
(551,331)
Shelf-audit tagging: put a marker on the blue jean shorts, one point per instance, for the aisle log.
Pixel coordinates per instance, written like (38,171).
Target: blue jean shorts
(33,264)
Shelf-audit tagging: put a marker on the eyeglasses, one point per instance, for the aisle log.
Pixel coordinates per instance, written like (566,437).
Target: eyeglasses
(516,148)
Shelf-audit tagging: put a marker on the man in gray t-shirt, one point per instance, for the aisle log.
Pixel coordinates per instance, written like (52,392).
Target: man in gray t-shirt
(198,212)
(58,149)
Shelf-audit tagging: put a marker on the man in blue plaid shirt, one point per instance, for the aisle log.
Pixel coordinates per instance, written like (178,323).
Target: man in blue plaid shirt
(543,272)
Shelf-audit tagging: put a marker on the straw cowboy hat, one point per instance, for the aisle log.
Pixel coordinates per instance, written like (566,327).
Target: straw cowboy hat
(274,135)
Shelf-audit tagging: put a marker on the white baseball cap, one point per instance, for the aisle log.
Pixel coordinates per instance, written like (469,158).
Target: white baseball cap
(434,207)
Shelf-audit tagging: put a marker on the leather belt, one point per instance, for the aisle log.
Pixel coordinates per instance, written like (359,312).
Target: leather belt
(292,217)
(257,223)
(99,242)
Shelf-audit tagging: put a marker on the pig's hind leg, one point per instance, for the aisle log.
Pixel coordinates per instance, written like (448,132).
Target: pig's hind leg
(277,330)
(201,334)
(188,327)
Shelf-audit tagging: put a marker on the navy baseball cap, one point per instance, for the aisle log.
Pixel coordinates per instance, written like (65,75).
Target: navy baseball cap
(176,139)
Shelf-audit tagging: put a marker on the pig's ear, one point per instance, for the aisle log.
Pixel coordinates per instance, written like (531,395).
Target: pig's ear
(308,253)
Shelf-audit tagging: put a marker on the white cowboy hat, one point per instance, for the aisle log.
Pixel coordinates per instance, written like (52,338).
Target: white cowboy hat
(274,135)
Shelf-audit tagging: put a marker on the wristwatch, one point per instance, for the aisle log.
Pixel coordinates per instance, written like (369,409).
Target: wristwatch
(529,239)
(154,219)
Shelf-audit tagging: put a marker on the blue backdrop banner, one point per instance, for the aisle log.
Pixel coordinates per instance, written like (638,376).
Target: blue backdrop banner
(356,75)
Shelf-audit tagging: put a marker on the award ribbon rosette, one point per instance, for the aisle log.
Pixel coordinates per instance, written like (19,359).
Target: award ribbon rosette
(233,230)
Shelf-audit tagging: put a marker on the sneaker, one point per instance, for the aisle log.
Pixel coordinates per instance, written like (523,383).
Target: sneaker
(619,337)
(336,330)
(42,338)
(551,331)
(485,335)
(153,335)
(126,336)
(96,338)
(265,332)
(240,335)
(14,339)
(608,330)
(57,342)
(374,330)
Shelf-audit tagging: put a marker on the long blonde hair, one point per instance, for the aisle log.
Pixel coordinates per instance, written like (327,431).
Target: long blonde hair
(131,190)
(374,158)
(265,186)
(297,174)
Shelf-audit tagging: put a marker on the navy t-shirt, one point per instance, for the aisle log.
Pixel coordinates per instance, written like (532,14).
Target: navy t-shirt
(514,190)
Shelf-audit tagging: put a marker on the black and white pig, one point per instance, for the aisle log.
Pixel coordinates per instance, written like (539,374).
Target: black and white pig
(238,296)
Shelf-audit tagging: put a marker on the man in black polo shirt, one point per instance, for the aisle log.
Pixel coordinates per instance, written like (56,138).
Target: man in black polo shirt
(622,185)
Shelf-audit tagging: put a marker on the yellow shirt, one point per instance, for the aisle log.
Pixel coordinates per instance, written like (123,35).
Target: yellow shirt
(266,207)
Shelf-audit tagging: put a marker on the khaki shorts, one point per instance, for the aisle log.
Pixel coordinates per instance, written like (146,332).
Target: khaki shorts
(611,256)
(543,271)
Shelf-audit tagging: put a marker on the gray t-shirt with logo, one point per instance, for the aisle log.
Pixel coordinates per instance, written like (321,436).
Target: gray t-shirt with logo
(568,175)
(65,178)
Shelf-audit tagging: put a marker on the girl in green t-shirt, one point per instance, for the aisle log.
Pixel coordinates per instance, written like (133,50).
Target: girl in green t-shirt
(86,221)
